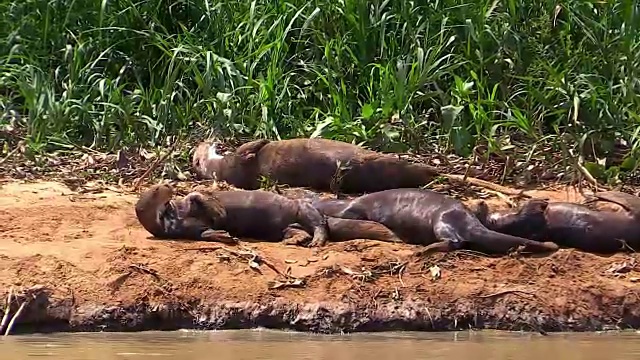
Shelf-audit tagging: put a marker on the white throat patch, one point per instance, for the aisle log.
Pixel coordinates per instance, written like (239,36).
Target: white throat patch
(212,154)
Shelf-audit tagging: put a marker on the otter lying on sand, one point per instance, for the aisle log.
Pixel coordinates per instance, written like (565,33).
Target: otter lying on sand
(194,217)
(320,164)
(252,214)
(426,217)
(630,203)
(570,225)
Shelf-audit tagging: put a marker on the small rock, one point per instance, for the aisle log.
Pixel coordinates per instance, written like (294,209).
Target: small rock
(435,272)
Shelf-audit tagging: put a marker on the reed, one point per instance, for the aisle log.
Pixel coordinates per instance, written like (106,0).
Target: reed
(395,75)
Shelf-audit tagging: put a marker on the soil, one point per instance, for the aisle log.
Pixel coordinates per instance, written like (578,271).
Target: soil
(84,263)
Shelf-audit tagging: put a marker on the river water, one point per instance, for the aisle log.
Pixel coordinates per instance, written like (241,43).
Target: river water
(266,344)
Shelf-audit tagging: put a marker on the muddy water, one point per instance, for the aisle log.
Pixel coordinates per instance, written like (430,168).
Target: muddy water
(264,344)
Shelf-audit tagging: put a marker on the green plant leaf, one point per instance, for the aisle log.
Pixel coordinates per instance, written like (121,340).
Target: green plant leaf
(367,111)
(596,170)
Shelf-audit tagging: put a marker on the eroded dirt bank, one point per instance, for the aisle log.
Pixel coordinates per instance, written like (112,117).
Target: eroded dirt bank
(85,264)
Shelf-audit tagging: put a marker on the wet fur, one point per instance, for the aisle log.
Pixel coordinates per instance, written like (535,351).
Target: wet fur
(428,218)
(570,225)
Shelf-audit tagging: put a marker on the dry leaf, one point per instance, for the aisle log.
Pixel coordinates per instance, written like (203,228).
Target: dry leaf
(619,268)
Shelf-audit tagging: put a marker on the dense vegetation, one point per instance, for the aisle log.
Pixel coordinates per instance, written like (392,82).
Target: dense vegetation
(391,74)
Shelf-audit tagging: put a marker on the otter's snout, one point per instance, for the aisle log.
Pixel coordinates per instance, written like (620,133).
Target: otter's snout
(206,160)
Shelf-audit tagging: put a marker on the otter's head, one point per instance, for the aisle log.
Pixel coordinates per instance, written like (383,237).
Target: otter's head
(529,221)
(206,162)
(151,204)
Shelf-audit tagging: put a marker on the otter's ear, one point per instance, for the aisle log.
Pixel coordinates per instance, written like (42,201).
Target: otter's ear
(537,205)
(249,150)
(544,204)
(482,211)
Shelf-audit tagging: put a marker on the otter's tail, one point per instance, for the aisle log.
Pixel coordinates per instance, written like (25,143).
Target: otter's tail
(348,229)
(413,174)
(502,243)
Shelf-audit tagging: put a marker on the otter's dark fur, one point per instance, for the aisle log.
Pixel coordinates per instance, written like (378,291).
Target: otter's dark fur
(428,218)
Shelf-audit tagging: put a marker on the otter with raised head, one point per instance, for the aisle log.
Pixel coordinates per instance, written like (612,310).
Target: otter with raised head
(194,217)
(271,217)
(569,225)
(429,218)
(320,164)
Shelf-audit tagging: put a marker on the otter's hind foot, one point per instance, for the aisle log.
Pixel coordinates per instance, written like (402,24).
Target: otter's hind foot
(218,236)
(295,236)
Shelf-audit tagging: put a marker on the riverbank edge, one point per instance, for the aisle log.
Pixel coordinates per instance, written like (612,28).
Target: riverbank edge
(50,315)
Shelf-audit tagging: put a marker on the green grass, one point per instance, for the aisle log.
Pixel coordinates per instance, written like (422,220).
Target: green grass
(394,75)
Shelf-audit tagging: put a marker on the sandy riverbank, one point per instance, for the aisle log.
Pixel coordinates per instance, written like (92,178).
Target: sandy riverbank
(87,265)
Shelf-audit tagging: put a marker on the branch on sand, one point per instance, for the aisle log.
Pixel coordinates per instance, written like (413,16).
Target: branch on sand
(254,258)
(155,164)
(28,295)
(504,292)
(485,184)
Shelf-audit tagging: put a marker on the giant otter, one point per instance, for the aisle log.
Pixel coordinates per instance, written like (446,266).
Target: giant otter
(320,164)
(569,225)
(194,217)
(253,214)
(630,203)
(426,217)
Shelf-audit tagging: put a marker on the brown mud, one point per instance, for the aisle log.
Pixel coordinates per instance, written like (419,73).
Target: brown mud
(84,263)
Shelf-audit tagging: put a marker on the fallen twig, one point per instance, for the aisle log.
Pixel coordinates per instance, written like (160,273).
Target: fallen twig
(145,270)
(270,265)
(400,275)
(155,164)
(15,316)
(254,257)
(433,326)
(12,152)
(485,184)
(7,309)
(511,291)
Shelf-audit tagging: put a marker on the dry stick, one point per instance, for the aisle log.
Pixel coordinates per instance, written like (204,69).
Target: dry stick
(155,165)
(10,154)
(485,184)
(505,292)
(590,177)
(6,310)
(15,317)
(258,257)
